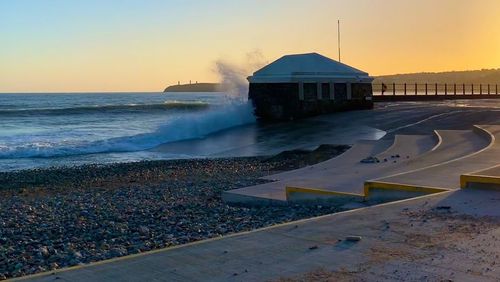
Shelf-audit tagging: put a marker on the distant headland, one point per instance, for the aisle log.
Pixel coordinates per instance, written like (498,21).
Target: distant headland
(195,87)
(484,76)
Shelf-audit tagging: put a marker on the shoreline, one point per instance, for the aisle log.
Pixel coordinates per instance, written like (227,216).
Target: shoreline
(61,217)
(53,218)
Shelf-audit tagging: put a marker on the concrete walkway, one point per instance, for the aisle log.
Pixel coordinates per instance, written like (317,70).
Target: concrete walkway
(274,192)
(493,172)
(452,235)
(347,175)
(447,174)
(454,144)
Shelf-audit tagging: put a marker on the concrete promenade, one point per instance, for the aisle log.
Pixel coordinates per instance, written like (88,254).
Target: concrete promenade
(447,174)
(275,191)
(411,161)
(452,235)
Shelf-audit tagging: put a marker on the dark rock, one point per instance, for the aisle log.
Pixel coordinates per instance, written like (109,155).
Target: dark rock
(353,238)
(143,230)
(88,213)
(44,251)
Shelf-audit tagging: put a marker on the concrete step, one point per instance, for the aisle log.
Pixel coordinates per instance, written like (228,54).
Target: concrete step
(455,148)
(446,175)
(484,179)
(345,178)
(357,152)
(275,192)
(410,146)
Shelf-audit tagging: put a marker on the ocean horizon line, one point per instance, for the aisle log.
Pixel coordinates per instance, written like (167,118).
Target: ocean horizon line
(82,92)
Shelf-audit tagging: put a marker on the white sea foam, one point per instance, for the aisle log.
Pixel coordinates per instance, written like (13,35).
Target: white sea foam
(190,125)
(111,127)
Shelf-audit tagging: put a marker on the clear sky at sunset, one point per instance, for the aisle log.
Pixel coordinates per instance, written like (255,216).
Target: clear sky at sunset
(145,45)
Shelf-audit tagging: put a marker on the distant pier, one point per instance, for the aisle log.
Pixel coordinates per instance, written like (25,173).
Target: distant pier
(432,91)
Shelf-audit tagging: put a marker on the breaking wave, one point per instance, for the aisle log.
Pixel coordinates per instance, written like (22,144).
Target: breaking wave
(108,109)
(85,129)
(190,125)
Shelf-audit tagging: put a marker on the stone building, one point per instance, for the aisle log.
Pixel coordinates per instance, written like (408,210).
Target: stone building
(296,86)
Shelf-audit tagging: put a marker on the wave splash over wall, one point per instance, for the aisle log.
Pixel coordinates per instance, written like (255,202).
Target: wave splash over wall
(234,110)
(183,127)
(190,126)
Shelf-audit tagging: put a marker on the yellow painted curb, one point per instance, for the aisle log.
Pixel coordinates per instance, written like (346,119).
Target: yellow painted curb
(370,185)
(315,191)
(483,179)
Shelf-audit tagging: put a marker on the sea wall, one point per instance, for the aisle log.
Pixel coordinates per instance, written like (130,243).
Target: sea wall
(282,101)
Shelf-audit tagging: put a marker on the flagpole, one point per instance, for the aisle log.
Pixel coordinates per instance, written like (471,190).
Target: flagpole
(338,33)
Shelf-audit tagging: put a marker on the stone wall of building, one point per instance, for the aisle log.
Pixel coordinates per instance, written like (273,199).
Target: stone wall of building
(361,90)
(275,101)
(281,101)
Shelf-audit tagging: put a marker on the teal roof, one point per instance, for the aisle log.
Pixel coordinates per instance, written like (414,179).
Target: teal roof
(307,64)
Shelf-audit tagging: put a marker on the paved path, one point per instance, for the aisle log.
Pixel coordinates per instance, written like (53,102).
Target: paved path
(357,152)
(456,143)
(447,175)
(275,191)
(345,174)
(453,235)
(492,171)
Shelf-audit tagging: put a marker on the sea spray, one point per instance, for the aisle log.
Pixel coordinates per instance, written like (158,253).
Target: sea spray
(192,125)
(184,120)
(233,77)
(233,80)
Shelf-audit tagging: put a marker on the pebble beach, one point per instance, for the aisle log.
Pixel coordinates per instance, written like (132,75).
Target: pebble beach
(61,217)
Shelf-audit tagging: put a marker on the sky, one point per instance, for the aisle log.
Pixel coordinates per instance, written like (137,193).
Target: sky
(145,45)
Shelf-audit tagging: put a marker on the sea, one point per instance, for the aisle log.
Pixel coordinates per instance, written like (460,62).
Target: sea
(39,130)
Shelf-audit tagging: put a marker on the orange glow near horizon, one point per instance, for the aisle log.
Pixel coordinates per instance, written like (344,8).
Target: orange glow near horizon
(57,46)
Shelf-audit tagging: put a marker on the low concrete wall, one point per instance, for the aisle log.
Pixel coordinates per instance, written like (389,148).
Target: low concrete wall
(483,186)
(313,197)
(412,97)
(384,195)
(239,199)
